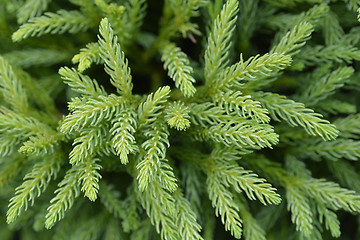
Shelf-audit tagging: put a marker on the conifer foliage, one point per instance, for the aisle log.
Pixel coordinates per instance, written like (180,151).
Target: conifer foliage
(185,119)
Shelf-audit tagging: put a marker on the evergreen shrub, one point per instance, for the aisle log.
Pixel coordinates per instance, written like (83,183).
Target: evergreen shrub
(179,119)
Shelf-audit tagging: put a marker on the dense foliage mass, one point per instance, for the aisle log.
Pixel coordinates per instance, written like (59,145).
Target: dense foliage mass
(179,119)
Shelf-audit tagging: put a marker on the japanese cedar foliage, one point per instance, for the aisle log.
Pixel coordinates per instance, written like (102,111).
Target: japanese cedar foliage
(185,118)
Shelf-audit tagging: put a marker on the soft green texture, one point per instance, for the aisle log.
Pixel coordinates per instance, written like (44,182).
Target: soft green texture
(186,119)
